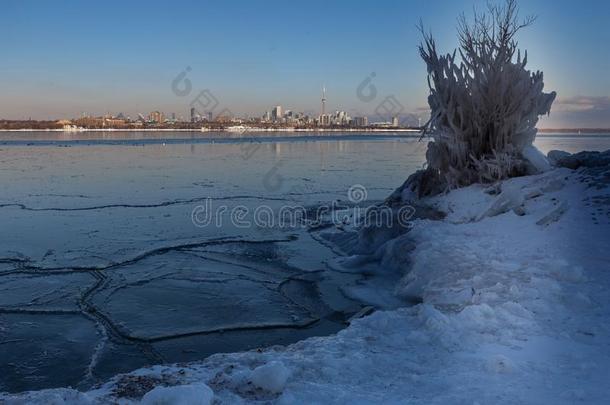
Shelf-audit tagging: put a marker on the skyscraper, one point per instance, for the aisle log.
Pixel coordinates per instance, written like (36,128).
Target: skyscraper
(324,120)
(323,100)
(276,113)
(192,114)
(156,116)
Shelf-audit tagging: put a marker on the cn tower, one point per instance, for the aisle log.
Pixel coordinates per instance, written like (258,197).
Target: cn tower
(323,99)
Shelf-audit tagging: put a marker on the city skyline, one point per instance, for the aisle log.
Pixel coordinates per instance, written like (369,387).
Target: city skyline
(388,110)
(251,57)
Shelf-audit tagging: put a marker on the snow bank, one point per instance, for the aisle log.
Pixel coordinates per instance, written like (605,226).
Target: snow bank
(513,286)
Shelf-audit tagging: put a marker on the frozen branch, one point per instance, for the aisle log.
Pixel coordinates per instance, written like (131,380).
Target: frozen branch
(484,104)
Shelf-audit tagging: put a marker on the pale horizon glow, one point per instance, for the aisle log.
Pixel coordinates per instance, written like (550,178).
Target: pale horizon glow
(60,60)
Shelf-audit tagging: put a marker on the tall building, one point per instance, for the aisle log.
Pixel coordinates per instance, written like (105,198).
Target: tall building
(276,113)
(323,100)
(157,117)
(341,118)
(210,116)
(192,114)
(395,122)
(361,121)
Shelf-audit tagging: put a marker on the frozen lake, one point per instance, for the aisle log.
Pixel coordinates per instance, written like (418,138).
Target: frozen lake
(102,267)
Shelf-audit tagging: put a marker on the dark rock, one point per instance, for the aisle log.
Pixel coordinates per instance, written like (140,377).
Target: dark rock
(593,159)
(580,159)
(555,156)
(560,158)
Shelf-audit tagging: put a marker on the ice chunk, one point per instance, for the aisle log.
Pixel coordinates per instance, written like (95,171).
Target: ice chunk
(193,394)
(510,198)
(271,377)
(536,158)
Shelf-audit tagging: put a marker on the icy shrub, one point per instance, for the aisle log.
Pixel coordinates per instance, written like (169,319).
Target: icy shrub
(484,105)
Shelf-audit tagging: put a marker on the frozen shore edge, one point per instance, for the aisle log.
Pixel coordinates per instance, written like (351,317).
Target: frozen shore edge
(514,309)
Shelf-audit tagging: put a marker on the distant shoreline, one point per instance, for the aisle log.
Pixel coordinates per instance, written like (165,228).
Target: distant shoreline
(216,130)
(544,131)
(574,130)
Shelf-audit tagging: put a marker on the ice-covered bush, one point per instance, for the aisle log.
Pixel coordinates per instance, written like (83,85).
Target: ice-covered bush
(484,104)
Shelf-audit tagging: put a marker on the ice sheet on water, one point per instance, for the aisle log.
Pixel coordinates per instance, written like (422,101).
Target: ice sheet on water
(149,311)
(44,292)
(109,229)
(35,349)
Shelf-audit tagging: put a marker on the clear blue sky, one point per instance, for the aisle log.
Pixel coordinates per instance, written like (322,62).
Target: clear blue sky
(59,59)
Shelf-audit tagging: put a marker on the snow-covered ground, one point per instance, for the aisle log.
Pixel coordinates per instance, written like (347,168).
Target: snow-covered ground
(514,308)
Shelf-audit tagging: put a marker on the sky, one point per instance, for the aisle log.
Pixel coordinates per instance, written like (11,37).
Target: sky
(62,59)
